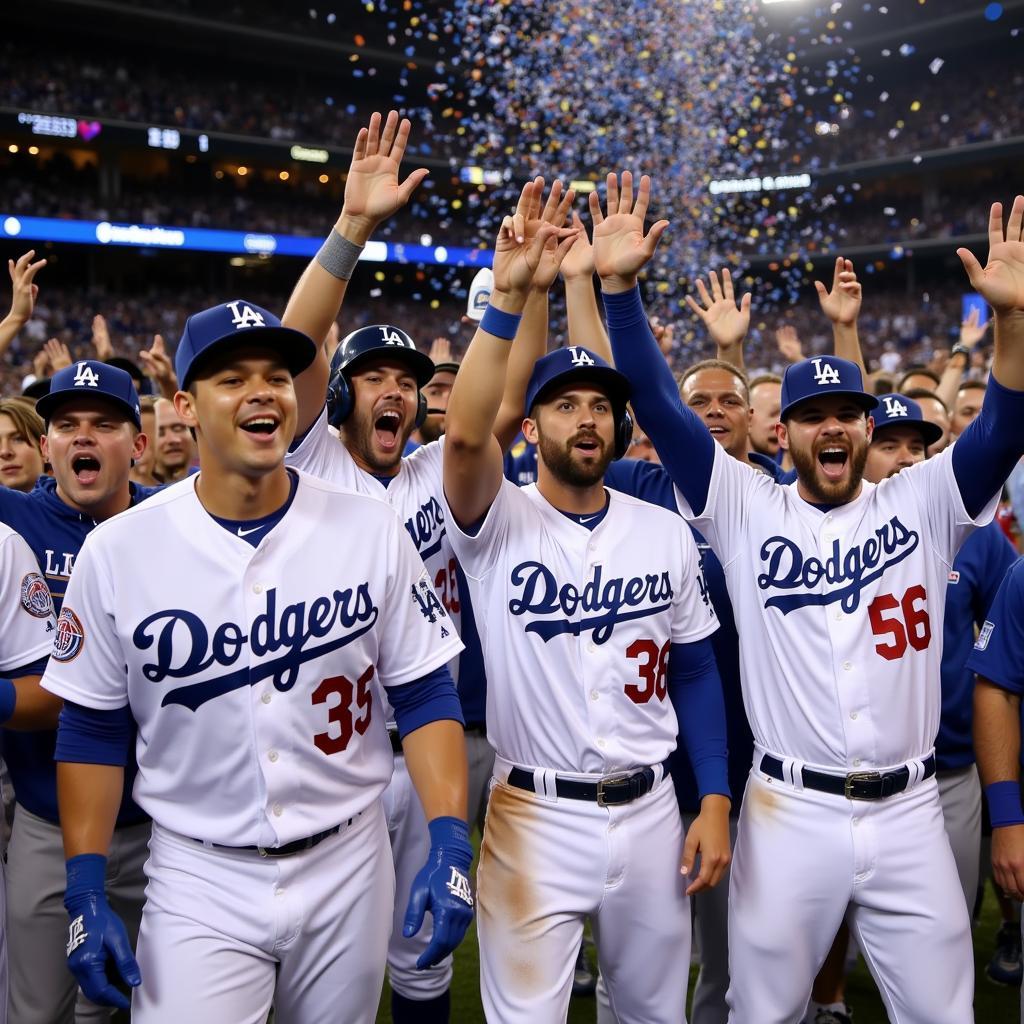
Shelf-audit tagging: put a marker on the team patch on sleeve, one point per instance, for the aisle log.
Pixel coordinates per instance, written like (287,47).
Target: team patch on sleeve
(426,599)
(67,644)
(984,636)
(35,596)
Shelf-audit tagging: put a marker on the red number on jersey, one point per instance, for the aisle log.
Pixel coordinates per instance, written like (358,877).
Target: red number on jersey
(341,712)
(653,668)
(447,587)
(914,629)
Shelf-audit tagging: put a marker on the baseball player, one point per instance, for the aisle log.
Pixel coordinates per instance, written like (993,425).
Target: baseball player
(836,584)
(998,660)
(92,435)
(26,627)
(593,614)
(269,879)
(356,441)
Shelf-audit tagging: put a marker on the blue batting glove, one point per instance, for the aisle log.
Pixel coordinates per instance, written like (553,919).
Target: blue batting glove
(442,887)
(96,933)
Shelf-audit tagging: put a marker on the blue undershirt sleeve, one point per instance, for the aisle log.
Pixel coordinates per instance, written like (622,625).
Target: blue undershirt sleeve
(90,736)
(695,689)
(432,698)
(986,452)
(683,443)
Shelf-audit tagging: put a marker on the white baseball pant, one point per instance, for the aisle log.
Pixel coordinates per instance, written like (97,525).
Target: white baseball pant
(960,796)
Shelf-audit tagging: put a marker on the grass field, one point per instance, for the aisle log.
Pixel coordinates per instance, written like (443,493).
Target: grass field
(993,1004)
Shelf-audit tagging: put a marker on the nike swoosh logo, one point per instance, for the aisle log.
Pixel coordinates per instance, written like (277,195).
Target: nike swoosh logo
(245,533)
(587,520)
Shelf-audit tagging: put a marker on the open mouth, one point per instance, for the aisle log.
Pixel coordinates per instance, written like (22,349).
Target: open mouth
(833,462)
(386,427)
(86,469)
(588,445)
(718,431)
(258,426)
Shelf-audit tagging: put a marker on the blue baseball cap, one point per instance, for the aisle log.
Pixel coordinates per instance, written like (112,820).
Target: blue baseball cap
(236,323)
(823,375)
(575,363)
(89,378)
(899,411)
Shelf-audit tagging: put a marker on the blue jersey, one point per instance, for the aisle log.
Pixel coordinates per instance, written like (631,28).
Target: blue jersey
(650,482)
(998,653)
(55,532)
(521,462)
(974,579)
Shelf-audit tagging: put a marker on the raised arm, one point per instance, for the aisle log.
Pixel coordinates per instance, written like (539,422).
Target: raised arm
(531,340)
(726,321)
(586,328)
(372,194)
(472,455)
(971,332)
(621,250)
(991,446)
(841,304)
(23,297)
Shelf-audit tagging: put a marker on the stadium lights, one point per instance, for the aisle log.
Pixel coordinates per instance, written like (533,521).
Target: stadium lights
(243,171)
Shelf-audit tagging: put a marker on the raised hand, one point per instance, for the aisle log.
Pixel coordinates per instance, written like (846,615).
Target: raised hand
(726,321)
(841,304)
(555,211)
(579,261)
(157,364)
(621,249)
(664,335)
(101,337)
(1001,280)
(372,190)
(25,291)
(517,252)
(440,351)
(57,354)
(789,343)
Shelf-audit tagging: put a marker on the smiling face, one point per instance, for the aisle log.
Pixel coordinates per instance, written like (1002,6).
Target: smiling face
(243,410)
(21,462)
(90,444)
(175,449)
(893,449)
(574,430)
(718,398)
(383,415)
(828,439)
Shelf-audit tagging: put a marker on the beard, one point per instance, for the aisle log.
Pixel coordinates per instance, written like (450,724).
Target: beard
(565,468)
(827,492)
(431,428)
(357,433)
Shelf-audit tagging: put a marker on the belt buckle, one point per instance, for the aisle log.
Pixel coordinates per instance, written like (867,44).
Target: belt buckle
(855,777)
(610,779)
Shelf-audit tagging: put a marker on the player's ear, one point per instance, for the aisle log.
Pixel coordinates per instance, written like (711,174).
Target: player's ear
(139,446)
(184,406)
(870,427)
(530,430)
(782,433)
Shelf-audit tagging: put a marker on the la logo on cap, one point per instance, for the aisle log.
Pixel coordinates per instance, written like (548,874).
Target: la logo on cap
(390,336)
(580,357)
(246,316)
(86,377)
(894,407)
(826,374)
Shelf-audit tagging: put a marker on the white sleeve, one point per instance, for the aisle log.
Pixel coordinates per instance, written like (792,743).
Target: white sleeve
(26,621)
(731,491)
(417,636)
(478,552)
(937,493)
(693,614)
(317,449)
(87,664)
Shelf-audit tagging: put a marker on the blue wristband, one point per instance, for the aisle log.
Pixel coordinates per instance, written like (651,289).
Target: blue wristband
(8,698)
(499,323)
(1004,806)
(87,874)
(453,835)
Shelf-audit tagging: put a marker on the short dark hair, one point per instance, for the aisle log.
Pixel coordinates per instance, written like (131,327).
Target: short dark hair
(972,382)
(762,378)
(918,393)
(917,370)
(715,364)
(882,384)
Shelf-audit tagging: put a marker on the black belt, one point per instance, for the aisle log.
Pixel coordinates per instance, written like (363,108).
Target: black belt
(476,728)
(856,785)
(612,790)
(396,741)
(289,849)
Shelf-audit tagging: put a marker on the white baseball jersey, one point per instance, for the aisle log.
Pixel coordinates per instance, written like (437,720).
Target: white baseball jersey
(251,671)
(839,612)
(576,628)
(414,493)
(26,618)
